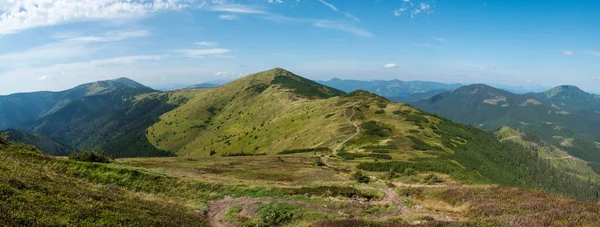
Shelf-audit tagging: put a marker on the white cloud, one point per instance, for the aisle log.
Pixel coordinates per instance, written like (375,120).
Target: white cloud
(199,53)
(146,69)
(127,60)
(415,7)
(439,39)
(591,52)
(16,16)
(277,1)
(238,9)
(351,17)
(399,11)
(340,25)
(106,37)
(391,65)
(205,43)
(331,6)
(223,74)
(228,17)
(568,53)
(67,47)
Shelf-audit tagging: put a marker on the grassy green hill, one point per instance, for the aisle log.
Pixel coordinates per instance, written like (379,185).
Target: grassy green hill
(267,112)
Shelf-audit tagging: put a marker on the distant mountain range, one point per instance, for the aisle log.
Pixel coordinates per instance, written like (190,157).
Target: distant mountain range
(392,88)
(19,108)
(564,116)
(403,90)
(179,86)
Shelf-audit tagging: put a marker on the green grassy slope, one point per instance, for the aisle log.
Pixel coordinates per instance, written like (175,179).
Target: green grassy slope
(39,190)
(265,112)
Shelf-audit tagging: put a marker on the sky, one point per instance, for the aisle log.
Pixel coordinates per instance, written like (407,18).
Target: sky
(58,44)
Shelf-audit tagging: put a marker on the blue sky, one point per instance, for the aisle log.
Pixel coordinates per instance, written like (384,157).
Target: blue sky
(55,45)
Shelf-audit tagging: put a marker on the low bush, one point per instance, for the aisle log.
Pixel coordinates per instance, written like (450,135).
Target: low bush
(243,154)
(275,214)
(306,150)
(360,177)
(388,147)
(421,145)
(88,156)
(376,128)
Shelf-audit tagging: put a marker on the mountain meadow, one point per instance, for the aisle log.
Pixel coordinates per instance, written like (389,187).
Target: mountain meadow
(277,149)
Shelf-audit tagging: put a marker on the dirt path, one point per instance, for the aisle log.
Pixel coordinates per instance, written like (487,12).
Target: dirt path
(218,208)
(349,138)
(509,138)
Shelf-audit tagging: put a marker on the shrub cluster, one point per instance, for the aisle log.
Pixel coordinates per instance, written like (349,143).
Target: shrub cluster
(88,156)
(305,150)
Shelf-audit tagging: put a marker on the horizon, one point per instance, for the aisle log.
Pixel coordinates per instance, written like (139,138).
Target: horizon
(159,87)
(191,42)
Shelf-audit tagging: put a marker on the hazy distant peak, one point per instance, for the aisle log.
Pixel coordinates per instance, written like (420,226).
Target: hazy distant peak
(567,91)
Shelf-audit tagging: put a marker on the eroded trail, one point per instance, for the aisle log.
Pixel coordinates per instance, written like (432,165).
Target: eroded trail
(218,208)
(351,137)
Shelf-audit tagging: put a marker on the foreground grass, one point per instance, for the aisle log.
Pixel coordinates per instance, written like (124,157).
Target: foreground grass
(34,193)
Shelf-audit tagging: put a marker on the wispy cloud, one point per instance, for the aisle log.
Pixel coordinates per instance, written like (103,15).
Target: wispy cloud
(125,60)
(351,17)
(228,17)
(65,48)
(427,45)
(331,6)
(591,52)
(439,39)
(204,43)
(390,65)
(415,7)
(266,15)
(110,36)
(199,53)
(343,26)
(16,16)
(567,53)
(238,9)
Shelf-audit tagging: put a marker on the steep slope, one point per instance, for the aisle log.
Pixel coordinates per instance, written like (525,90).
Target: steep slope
(17,109)
(41,142)
(392,88)
(113,121)
(558,116)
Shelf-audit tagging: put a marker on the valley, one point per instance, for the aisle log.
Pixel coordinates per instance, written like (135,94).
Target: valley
(276,149)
